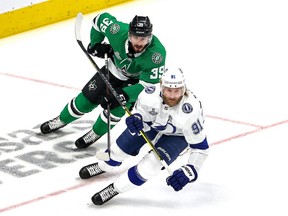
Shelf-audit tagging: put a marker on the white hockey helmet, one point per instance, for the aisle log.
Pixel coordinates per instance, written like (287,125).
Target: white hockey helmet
(173,78)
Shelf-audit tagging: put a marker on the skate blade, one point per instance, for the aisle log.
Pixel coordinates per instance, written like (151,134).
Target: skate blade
(75,148)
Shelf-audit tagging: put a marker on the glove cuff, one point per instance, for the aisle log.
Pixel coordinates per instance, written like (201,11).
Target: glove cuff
(190,172)
(134,134)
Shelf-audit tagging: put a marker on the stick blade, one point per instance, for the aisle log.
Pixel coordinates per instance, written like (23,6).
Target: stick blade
(78,23)
(104,156)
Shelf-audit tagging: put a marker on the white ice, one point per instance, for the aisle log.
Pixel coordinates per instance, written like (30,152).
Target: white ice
(234,55)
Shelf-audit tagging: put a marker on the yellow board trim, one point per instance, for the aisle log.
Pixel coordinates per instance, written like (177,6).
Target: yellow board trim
(48,12)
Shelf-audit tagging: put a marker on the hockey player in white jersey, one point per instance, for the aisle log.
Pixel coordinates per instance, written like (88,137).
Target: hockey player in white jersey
(172,117)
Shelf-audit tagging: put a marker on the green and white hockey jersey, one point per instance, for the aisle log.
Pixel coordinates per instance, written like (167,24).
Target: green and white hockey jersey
(146,66)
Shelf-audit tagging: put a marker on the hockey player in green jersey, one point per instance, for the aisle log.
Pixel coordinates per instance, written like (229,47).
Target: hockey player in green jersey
(136,60)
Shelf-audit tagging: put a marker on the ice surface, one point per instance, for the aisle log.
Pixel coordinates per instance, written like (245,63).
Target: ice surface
(234,56)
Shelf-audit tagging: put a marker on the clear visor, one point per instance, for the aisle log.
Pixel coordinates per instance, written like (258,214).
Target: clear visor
(141,39)
(173,92)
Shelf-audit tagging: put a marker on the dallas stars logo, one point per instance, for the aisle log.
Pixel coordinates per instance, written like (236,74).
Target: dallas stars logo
(92,85)
(114,28)
(157,58)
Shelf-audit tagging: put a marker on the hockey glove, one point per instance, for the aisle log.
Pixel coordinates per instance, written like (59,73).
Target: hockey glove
(182,176)
(99,50)
(134,123)
(112,101)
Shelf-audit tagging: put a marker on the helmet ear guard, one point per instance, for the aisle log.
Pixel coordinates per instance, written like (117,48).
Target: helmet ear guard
(140,26)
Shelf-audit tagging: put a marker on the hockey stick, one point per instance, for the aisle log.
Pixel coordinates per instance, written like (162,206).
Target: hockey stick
(105,156)
(78,23)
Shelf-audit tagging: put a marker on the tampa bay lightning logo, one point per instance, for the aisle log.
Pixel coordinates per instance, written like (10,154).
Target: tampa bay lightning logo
(150,89)
(187,108)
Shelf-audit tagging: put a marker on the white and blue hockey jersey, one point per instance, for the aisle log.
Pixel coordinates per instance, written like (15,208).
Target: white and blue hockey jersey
(185,119)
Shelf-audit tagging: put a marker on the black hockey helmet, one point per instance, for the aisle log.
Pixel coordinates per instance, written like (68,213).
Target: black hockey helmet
(140,26)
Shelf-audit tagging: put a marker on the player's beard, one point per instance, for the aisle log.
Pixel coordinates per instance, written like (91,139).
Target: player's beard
(171,101)
(138,48)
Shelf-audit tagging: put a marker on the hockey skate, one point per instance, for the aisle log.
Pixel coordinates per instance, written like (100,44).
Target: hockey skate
(90,170)
(104,195)
(87,140)
(52,125)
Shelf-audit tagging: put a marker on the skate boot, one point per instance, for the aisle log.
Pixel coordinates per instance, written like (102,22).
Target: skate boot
(87,140)
(104,195)
(52,125)
(90,170)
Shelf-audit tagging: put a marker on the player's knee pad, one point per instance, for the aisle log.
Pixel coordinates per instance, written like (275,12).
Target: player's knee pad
(149,166)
